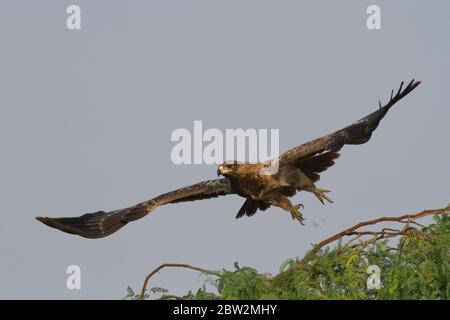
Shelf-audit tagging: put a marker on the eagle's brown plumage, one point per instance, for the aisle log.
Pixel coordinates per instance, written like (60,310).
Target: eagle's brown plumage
(298,169)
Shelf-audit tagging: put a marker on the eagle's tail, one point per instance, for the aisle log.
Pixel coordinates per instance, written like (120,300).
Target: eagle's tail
(96,225)
(361,131)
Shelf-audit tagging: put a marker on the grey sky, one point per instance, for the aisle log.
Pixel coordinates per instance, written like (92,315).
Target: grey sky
(86,118)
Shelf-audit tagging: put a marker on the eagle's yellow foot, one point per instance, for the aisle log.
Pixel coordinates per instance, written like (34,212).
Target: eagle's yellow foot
(296,214)
(320,194)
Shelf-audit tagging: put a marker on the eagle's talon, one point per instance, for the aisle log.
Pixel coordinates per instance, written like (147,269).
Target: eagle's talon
(297,215)
(298,206)
(320,194)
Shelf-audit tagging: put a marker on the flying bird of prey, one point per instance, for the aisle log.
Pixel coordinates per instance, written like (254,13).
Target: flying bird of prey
(298,170)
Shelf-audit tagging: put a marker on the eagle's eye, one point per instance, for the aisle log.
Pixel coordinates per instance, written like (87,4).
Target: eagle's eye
(232,165)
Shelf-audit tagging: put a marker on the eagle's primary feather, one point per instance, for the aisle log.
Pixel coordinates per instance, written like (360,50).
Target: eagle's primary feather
(299,169)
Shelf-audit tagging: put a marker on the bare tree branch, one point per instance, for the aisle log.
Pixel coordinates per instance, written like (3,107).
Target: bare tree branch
(377,235)
(173,265)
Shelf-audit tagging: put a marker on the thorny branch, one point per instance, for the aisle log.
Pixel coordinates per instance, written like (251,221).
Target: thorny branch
(355,232)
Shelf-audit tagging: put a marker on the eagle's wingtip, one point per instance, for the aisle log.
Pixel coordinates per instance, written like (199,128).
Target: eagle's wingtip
(45,220)
(415,83)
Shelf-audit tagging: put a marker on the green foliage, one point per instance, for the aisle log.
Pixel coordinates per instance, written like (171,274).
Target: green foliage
(131,295)
(417,267)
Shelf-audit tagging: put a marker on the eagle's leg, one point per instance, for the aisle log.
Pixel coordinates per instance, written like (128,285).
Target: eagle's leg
(302,182)
(319,193)
(285,204)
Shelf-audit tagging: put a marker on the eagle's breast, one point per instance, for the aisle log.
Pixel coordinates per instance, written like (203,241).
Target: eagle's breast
(251,184)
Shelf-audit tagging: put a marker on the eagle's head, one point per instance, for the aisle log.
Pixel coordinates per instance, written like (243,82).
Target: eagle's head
(229,169)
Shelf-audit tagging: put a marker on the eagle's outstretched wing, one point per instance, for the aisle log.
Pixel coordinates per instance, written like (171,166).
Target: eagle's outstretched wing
(100,224)
(324,149)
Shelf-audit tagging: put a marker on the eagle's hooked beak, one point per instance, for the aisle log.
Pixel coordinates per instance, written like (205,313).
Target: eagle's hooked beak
(219,170)
(223,170)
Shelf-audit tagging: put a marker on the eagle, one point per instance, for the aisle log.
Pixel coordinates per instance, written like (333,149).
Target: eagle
(298,169)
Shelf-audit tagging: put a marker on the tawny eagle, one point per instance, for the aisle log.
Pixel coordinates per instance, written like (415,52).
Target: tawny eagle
(297,169)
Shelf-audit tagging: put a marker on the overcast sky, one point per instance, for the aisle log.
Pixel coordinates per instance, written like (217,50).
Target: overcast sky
(86,118)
